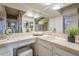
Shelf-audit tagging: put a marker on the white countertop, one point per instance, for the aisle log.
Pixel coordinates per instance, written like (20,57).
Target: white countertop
(15,38)
(62,42)
(50,38)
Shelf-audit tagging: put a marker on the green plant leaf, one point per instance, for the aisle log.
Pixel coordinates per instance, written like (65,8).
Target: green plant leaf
(72,31)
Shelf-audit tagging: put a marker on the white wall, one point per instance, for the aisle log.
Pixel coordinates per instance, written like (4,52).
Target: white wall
(56,22)
(51,24)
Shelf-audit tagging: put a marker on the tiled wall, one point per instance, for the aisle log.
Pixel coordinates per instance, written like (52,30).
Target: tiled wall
(57,23)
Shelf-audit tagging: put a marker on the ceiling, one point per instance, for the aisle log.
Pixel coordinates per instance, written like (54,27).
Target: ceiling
(11,11)
(41,8)
(46,9)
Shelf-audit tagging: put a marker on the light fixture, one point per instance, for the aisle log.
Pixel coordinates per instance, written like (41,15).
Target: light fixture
(56,7)
(12,24)
(36,16)
(29,13)
(48,3)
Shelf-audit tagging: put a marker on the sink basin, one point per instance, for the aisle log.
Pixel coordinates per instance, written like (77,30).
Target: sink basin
(38,34)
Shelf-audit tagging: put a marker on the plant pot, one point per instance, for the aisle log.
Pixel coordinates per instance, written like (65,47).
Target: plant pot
(71,39)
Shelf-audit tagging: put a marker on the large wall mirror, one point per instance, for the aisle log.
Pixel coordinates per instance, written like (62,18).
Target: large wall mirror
(41,24)
(2,25)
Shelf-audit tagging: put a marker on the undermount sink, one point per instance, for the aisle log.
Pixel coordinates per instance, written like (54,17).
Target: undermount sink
(38,34)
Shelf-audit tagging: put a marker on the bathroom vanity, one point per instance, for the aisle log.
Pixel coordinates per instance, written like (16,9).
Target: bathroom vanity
(9,45)
(45,45)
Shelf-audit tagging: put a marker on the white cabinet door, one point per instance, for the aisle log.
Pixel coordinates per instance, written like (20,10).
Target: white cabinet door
(4,51)
(45,48)
(44,51)
(36,47)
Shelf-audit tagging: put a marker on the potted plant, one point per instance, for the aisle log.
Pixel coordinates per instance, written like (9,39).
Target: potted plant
(71,31)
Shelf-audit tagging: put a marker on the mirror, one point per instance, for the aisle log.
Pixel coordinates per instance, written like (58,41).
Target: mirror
(41,24)
(1,18)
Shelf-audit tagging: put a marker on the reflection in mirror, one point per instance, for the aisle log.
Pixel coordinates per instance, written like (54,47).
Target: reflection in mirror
(28,25)
(41,24)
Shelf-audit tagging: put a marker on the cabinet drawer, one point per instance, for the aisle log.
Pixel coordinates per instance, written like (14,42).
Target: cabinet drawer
(45,44)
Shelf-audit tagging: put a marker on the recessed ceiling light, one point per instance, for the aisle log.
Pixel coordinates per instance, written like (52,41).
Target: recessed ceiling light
(56,7)
(29,13)
(48,3)
(36,16)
